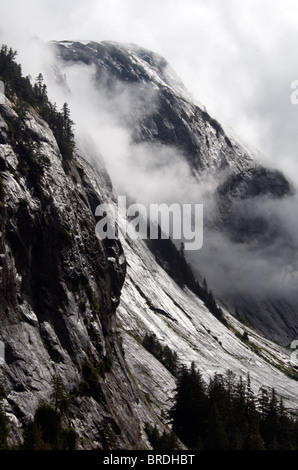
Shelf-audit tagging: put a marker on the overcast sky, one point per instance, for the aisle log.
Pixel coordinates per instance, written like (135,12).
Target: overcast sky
(237,57)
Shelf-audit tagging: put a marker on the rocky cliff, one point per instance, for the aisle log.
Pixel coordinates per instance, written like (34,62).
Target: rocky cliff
(59,289)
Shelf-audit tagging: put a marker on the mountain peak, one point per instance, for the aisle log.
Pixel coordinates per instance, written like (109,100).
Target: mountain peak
(233,185)
(126,62)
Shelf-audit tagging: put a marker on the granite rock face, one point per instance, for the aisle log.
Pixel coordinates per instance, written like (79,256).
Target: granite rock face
(60,286)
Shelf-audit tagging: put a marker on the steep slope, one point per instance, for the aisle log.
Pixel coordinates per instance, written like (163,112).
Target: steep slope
(248,249)
(59,289)
(153,303)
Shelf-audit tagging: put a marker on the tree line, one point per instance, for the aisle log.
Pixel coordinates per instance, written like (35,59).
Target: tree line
(225,414)
(163,354)
(173,261)
(21,91)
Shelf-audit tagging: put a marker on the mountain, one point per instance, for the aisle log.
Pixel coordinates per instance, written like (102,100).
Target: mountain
(76,309)
(175,143)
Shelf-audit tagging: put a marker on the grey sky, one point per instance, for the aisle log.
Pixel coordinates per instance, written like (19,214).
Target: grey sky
(237,57)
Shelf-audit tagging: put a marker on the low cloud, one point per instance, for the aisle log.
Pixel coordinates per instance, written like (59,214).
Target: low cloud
(149,172)
(237,60)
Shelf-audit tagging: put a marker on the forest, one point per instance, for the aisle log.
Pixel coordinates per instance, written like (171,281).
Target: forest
(225,414)
(22,92)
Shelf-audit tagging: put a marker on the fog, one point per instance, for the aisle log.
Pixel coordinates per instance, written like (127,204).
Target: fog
(253,269)
(154,173)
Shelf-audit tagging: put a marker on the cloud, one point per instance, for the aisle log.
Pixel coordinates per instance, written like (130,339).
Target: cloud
(237,58)
(254,268)
(155,173)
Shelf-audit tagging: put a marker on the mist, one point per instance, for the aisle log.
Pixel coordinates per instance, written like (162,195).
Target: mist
(155,173)
(252,269)
(239,68)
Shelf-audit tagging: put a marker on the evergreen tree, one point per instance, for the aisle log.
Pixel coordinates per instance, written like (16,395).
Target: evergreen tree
(33,439)
(269,418)
(60,397)
(40,88)
(22,93)
(217,395)
(216,437)
(285,429)
(253,439)
(49,423)
(161,442)
(67,144)
(11,75)
(164,354)
(188,412)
